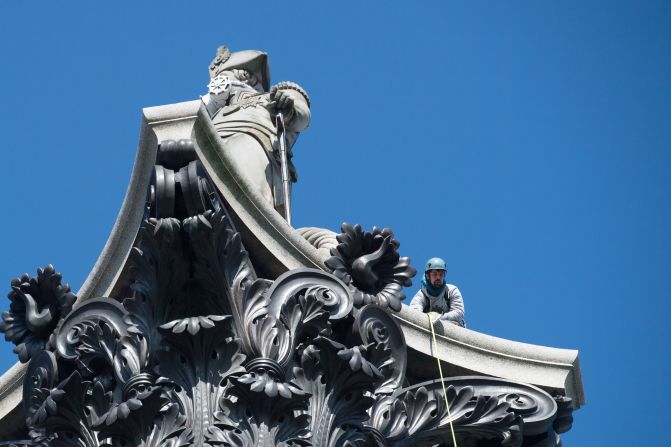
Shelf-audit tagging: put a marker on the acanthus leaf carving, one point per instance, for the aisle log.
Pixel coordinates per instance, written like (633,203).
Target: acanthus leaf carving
(67,422)
(221,265)
(340,382)
(205,353)
(480,408)
(160,270)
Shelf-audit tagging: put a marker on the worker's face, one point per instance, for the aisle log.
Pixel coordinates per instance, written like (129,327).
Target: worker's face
(436,277)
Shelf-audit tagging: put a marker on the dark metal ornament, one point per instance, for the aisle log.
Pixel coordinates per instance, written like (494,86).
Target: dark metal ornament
(205,353)
(370,264)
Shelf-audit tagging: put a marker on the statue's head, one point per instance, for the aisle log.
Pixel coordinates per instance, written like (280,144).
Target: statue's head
(255,63)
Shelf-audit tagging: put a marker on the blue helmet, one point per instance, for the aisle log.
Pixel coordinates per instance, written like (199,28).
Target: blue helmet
(435,264)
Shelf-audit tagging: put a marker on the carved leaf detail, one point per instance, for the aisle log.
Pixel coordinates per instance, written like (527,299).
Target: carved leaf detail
(418,414)
(248,418)
(340,388)
(131,420)
(160,270)
(205,353)
(222,267)
(65,414)
(369,262)
(37,305)
(377,330)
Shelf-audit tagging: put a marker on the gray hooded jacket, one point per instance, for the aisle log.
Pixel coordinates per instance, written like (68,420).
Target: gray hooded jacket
(450,304)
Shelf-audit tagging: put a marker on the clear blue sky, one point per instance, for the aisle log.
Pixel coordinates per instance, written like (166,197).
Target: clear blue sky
(528,143)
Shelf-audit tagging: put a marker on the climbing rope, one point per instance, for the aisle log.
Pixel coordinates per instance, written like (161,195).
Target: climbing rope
(442,379)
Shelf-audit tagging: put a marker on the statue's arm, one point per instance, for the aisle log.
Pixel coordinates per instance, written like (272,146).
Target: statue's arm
(298,119)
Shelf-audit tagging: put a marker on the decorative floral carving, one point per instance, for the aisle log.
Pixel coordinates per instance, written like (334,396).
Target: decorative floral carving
(37,305)
(370,264)
(205,353)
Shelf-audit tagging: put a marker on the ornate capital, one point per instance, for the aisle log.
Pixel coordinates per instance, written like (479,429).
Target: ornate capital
(203,352)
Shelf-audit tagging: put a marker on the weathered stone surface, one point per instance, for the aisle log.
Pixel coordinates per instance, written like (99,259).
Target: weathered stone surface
(553,369)
(12,423)
(258,125)
(203,351)
(277,248)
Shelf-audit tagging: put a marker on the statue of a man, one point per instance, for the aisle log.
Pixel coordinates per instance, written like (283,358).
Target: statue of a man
(243,109)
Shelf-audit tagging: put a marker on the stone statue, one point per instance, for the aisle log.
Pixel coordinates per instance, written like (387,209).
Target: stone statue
(244,108)
(190,332)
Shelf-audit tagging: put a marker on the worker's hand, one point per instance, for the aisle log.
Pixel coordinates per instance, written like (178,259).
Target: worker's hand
(435,316)
(283,102)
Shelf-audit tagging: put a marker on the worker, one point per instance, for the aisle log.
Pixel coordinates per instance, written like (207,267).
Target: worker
(436,295)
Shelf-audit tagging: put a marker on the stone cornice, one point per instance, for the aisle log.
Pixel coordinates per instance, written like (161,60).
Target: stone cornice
(553,369)
(267,236)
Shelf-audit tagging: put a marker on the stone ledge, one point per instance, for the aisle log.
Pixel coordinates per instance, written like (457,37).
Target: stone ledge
(550,368)
(11,397)
(278,243)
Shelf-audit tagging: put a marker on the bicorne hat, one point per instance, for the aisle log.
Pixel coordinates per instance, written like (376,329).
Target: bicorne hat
(256,62)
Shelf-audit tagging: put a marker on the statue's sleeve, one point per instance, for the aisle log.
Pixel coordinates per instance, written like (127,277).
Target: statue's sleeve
(300,120)
(418,301)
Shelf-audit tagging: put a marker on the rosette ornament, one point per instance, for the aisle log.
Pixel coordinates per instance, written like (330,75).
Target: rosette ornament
(369,263)
(37,305)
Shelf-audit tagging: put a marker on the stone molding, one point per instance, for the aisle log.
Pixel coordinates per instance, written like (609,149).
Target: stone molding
(266,235)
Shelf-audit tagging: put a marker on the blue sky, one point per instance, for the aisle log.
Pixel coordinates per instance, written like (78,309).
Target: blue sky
(528,143)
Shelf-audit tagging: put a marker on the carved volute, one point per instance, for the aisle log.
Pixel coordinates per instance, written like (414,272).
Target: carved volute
(204,352)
